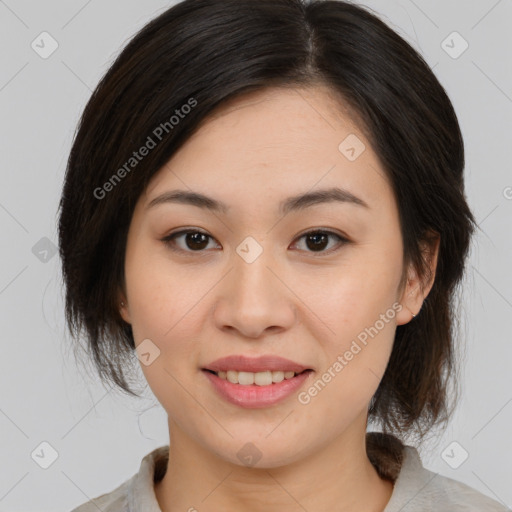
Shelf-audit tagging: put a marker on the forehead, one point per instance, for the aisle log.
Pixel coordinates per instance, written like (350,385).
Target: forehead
(276,140)
(278,118)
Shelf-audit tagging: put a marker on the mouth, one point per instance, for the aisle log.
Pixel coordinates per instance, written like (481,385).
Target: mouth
(263,378)
(256,395)
(256,382)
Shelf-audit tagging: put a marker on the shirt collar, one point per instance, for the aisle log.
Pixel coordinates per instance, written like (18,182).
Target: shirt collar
(392,460)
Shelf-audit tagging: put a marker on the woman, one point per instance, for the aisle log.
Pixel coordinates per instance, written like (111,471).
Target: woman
(264,201)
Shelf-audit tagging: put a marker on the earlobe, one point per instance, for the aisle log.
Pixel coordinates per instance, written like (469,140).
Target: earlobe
(123,309)
(411,301)
(418,287)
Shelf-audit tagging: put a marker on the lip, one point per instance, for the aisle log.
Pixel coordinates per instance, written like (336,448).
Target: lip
(268,362)
(253,396)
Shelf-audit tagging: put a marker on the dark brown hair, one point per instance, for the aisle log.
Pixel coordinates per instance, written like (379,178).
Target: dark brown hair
(202,53)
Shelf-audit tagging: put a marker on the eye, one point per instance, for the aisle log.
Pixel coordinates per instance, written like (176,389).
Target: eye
(197,241)
(194,240)
(317,240)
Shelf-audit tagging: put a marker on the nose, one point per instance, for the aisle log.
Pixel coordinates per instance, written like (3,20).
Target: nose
(255,298)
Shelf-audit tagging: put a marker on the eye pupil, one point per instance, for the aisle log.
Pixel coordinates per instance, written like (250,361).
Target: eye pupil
(197,238)
(197,241)
(320,240)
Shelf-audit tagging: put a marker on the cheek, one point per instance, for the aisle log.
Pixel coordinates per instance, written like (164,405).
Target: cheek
(353,295)
(159,294)
(162,310)
(166,307)
(358,303)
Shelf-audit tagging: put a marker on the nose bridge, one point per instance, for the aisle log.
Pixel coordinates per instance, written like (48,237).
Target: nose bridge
(254,298)
(251,275)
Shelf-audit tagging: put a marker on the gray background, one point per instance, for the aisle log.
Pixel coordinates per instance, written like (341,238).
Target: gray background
(99,436)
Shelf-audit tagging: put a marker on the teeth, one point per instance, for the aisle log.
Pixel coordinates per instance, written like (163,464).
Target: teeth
(277,376)
(258,378)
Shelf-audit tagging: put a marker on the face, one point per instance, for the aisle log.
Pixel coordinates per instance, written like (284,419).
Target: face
(313,282)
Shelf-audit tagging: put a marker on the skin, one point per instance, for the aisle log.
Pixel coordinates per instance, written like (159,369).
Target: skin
(293,301)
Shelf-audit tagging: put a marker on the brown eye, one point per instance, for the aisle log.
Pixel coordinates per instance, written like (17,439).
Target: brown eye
(194,241)
(197,241)
(318,240)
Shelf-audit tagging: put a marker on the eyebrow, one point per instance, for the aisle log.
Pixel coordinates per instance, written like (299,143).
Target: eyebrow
(294,203)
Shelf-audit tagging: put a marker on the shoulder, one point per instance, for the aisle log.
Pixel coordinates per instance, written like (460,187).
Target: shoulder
(453,494)
(135,494)
(418,489)
(114,501)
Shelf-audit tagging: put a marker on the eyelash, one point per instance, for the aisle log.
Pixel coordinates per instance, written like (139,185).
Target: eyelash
(169,240)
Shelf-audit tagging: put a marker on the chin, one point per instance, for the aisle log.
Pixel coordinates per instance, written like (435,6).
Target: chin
(259,452)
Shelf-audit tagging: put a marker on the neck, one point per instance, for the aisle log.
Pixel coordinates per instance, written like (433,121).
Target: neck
(338,477)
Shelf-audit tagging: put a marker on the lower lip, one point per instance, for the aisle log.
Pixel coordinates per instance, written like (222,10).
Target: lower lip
(253,396)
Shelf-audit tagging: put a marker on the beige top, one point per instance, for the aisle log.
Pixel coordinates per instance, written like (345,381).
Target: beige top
(416,489)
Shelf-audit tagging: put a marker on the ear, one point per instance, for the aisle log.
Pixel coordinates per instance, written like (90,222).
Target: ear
(123,306)
(418,287)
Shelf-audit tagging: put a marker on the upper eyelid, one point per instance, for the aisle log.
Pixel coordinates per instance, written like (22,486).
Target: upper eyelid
(168,238)
(185,231)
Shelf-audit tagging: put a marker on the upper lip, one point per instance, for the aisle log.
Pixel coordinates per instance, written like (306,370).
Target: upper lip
(255,364)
